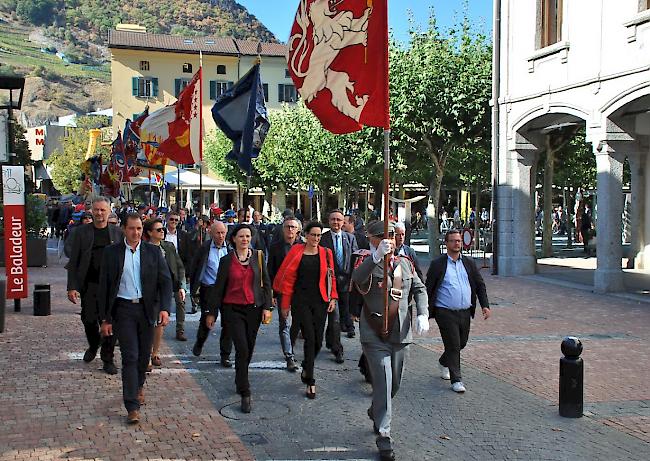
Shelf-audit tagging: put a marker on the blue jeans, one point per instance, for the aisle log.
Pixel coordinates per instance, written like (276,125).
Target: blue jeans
(284,327)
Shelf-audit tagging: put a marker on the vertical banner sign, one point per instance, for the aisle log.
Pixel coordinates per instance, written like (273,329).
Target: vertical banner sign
(15,235)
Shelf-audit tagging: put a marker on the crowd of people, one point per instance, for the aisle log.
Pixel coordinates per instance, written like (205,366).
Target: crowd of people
(237,269)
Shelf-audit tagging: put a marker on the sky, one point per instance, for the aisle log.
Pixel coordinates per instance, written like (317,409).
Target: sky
(278,15)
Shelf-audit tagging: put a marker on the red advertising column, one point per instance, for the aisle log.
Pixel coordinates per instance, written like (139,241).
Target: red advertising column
(15,234)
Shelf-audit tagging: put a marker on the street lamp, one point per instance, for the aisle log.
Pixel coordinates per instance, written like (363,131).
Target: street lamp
(11,97)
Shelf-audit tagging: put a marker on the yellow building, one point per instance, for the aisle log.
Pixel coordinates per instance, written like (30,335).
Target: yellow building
(153,68)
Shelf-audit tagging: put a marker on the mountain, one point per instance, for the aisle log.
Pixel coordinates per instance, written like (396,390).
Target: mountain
(60,45)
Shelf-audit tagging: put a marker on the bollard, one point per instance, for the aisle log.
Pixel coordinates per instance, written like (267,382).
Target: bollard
(3,303)
(571,378)
(42,300)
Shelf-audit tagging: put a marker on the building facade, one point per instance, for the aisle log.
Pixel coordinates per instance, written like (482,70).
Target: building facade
(560,63)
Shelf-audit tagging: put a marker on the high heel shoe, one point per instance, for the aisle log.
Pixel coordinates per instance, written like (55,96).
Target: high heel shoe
(311,392)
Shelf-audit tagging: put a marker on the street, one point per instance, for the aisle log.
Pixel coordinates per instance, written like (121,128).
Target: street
(57,407)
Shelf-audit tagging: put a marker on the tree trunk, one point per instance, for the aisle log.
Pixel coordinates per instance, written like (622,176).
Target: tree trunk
(432,213)
(477,217)
(547,225)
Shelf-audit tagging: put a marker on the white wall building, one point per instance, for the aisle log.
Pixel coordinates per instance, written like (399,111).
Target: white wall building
(566,61)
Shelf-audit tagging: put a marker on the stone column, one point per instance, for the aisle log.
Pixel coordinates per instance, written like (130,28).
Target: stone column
(638,209)
(524,260)
(609,250)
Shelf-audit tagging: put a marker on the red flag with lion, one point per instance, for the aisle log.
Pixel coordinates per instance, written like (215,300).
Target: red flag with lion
(338,60)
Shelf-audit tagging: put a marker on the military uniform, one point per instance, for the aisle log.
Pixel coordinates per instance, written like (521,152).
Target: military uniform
(386,356)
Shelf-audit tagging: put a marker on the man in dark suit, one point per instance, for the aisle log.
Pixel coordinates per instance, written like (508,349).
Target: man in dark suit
(261,239)
(203,276)
(135,292)
(402,249)
(342,244)
(359,232)
(87,245)
(453,284)
(180,239)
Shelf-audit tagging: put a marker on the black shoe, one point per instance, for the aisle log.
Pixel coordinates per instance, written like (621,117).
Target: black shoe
(196,350)
(351,334)
(339,357)
(246,404)
(193,311)
(110,368)
(291,365)
(387,455)
(226,363)
(90,354)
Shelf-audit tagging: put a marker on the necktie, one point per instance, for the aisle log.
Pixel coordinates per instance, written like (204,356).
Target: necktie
(339,251)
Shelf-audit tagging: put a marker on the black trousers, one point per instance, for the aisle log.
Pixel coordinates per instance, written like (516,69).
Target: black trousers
(135,334)
(243,322)
(225,338)
(311,316)
(90,320)
(344,311)
(454,329)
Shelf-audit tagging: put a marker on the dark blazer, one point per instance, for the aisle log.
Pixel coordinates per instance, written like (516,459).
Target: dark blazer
(184,249)
(261,284)
(176,267)
(436,274)
(81,246)
(349,243)
(410,254)
(154,276)
(277,252)
(362,240)
(196,267)
(260,238)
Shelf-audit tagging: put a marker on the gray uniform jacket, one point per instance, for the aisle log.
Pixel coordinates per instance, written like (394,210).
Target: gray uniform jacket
(370,273)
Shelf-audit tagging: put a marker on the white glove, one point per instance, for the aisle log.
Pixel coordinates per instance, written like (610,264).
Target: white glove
(422,324)
(385,247)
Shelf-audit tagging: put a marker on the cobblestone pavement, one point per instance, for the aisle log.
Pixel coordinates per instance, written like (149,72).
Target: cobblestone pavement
(56,407)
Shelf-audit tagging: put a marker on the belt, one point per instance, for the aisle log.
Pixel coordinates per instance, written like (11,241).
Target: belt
(130,301)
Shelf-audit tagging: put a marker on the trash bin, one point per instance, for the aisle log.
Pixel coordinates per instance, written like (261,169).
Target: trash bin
(42,299)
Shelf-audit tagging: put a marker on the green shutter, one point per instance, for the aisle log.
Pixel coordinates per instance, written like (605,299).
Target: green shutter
(280,92)
(213,89)
(177,86)
(230,84)
(134,87)
(154,87)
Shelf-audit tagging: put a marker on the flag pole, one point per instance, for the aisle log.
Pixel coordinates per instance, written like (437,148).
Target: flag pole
(386,215)
(150,189)
(201,131)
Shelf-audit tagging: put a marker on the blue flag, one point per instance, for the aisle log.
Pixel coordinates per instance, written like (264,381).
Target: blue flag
(241,114)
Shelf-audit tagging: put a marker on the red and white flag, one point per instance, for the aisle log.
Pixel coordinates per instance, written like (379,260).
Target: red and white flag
(175,132)
(338,60)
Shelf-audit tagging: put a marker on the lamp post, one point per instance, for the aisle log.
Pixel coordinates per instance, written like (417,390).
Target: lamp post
(12,87)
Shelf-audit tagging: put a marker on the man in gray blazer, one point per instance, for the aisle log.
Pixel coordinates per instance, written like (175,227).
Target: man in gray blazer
(385,348)
(86,249)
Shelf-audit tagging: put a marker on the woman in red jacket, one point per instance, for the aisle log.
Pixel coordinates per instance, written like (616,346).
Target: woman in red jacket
(308,286)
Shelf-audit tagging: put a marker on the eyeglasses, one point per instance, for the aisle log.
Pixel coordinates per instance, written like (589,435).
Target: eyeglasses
(315,235)
(173,219)
(291,227)
(157,229)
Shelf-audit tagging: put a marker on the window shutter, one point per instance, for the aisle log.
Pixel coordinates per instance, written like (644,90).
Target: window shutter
(177,86)
(154,87)
(230,85)
(134,86)
(280,92)
(213,89)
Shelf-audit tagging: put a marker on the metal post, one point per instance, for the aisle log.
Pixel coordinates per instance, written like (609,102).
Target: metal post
(386,216)
(571,379)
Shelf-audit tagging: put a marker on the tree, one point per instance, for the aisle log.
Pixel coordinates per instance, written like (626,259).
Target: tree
(67,163)
(38,12)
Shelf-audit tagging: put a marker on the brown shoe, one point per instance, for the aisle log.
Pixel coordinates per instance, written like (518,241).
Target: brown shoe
(133,417)
(141,396)
(180,336)
(155,361)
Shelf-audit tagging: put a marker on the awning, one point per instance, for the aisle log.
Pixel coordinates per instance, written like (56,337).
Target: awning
(187,179)
(40,172)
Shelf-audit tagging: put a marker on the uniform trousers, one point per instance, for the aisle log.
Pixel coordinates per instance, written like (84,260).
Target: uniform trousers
(180,312)
(243,322)
(135,334)
(386,364)
(454,331)
(225,339)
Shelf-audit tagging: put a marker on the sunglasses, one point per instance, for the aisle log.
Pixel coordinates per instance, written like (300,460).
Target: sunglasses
(157,229)
(173,219)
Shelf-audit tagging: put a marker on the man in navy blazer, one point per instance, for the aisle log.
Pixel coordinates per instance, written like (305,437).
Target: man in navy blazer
(135,293)
(342,244)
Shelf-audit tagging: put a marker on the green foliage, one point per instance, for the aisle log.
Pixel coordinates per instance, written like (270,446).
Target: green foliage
(35,214)
(575,164)
(67,163)
(38,12)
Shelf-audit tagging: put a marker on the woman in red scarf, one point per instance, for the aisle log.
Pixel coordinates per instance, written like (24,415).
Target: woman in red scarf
(308,286)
